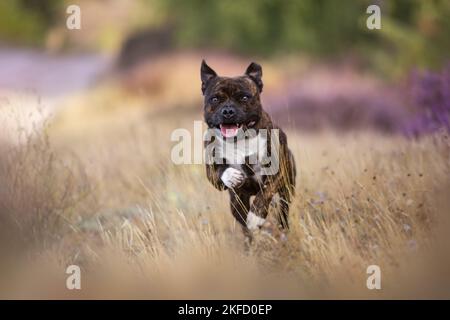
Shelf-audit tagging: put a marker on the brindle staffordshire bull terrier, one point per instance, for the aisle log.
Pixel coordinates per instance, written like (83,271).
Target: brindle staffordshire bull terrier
(232,107)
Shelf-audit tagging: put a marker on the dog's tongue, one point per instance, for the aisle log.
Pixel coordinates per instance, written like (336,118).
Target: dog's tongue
(229,130)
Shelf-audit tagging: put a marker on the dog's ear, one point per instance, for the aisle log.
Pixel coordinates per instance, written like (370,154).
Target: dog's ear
(206,74)
(254,71)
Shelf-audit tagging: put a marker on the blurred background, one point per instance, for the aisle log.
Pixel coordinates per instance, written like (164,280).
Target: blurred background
(323,67)
(86,118)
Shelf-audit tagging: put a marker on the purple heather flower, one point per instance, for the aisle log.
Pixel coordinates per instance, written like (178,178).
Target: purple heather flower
(431,94)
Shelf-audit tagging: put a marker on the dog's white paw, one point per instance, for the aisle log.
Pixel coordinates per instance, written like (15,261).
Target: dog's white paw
(253,221)
(232,177)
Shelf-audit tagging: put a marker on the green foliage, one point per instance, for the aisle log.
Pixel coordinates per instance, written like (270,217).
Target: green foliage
(17,24)
(26,21)
(414,32)
(266,26)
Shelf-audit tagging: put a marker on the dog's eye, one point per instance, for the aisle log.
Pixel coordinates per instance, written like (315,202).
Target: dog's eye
(245,98)
(214,99)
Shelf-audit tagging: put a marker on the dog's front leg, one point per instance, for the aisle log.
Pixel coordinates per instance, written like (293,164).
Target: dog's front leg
(224,177)
(260,207)
(214,173)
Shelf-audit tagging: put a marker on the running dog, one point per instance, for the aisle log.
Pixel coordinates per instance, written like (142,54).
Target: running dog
(234,114)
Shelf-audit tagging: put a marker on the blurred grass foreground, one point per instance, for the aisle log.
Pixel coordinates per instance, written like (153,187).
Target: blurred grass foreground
(86,177)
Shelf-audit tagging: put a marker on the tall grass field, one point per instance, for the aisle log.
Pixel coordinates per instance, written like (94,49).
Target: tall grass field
(104,194)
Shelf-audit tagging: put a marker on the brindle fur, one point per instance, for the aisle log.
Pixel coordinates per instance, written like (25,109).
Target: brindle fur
(265,188)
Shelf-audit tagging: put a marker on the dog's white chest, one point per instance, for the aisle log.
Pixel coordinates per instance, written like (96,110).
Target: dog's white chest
(238,152)
(248,153)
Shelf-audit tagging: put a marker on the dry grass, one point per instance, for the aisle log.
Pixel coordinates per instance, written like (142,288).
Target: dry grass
(142,227)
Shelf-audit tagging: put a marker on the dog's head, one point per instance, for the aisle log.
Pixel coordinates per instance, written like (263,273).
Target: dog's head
(232,104)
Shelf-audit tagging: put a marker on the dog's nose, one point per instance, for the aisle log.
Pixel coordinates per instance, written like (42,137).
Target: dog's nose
(228,112)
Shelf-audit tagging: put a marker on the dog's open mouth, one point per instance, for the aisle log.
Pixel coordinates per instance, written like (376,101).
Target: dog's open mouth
(229,130)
